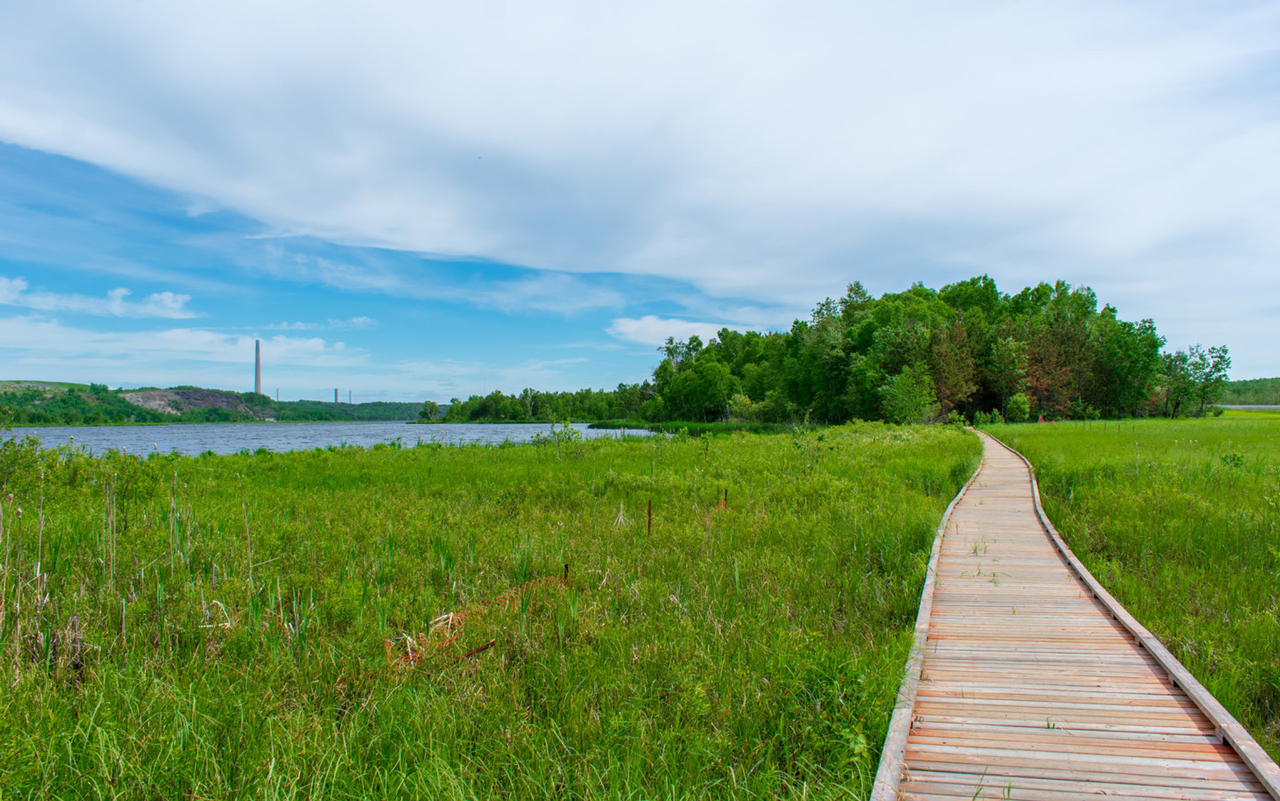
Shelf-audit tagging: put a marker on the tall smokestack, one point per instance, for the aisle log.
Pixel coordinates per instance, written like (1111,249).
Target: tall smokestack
(335,395)
(257,366)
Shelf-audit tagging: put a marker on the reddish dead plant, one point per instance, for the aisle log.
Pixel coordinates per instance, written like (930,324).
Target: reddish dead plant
(446,631)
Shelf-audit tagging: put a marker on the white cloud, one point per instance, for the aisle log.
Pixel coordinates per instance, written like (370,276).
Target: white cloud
(38,338)
(14,292)
(554,292)
(30,345)
(158,304)
(653,330)
(762,152)
(543,290)
(358,323)
(297,326)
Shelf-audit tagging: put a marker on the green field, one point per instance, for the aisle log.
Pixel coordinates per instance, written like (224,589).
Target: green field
(260,626)
(1180,520)
(702,429)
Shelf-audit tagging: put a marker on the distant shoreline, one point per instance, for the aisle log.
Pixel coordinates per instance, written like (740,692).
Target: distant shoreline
(499,423)
(198,423)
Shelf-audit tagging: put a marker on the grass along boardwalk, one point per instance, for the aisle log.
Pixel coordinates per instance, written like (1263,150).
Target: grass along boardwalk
(1028,680)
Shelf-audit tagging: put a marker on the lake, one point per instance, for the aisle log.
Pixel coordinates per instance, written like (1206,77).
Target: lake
(195,438)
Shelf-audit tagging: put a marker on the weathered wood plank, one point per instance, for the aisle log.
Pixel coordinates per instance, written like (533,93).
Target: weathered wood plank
(919,753)
(1016,773)
(930,784)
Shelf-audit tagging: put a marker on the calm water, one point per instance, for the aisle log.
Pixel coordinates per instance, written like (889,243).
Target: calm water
(196,438)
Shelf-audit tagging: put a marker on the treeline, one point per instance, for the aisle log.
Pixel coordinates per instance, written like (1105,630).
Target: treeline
(95,404)
(1252,392)
(585,405)
(965,351)
(319,411)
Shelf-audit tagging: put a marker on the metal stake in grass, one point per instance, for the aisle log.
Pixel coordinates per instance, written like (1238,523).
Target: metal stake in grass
(40,524)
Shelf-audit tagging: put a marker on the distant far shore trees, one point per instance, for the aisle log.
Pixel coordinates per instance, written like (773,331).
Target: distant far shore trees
(625,402)
(965,351)
(38,404)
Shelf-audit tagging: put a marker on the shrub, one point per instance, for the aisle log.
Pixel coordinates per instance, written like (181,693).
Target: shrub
(1018,409)
(741,408)
(909,397)
(987,418)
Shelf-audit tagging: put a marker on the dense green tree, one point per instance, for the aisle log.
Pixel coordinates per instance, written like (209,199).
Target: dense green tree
(979,348)
(1007,368)
(1126,364)
(1177,387)
(975,293)
(910,396)
(1050,371)
(1019,407)
(1192,380)
(953,366)
(1208,374)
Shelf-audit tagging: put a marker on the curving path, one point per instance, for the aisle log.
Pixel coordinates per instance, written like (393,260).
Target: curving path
(1028,681)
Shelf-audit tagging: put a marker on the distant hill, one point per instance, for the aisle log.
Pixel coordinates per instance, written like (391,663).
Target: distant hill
(1254,392)
(174,402)
(57,403)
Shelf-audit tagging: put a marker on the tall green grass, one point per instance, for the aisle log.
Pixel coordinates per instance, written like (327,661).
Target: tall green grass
(238,626)
(702,429)
(1180,520)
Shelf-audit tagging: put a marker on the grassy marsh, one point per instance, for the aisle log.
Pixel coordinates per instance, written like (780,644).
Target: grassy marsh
(261,625)
(1180,520)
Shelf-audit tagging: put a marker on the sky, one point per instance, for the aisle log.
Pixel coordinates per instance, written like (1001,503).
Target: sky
(413,200)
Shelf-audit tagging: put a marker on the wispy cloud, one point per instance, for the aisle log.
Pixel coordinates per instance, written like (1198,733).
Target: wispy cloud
(760,155)
(169,305)
(413,276)
(761,168)
(553,292)
(356,323)
(653,330)
(31,344)
(37,337)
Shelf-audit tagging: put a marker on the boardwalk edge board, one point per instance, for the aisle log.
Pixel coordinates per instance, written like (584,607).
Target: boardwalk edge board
(889,774)
(1228,728)
(1227,731)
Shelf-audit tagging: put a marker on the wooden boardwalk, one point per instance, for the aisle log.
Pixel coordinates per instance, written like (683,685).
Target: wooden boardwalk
(1028,681)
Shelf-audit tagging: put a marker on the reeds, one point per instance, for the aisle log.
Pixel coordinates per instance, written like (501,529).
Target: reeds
(219,626)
